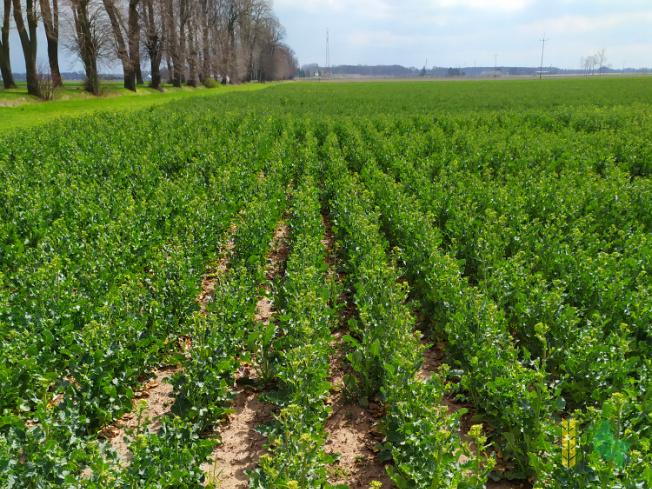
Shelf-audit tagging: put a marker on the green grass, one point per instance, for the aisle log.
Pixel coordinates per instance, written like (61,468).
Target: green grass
(20,110)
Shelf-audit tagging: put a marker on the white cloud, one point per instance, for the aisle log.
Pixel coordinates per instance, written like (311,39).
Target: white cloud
(374,9)
(381,39)
(569,24)
(486,5)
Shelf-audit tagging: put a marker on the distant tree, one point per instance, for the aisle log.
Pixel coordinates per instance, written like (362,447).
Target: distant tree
(28,40)
(423,72)
(601,58)
(589,64)
(5,61)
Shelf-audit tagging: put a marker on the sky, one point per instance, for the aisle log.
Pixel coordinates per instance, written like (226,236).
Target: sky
(459,33)
(452,33)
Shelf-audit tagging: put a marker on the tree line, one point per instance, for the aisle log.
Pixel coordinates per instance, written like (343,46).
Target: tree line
(594,62)
(189,41)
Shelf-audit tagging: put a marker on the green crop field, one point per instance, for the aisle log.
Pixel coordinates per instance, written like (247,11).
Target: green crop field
(503,228)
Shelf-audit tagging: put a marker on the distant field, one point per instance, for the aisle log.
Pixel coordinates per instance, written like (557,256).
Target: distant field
(331,285)
(428,97)
(19,109)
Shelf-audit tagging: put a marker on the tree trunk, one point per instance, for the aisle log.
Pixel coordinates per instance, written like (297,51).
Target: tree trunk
(5,61)
(153,41)
(155,68)
(139,75)
(192,56)
(123,51)
(28,42)
(168,62)
(87,47)
(51,23)
(5,68)
(206,53)
(134,40)
(180,67)
(172,52)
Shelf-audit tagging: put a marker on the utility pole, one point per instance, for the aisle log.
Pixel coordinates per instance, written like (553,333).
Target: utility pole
(543,45)
(495,66)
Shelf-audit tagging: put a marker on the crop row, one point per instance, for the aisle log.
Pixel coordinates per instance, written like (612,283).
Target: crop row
(523,349)
(301,355)
(386,354)
(103,250)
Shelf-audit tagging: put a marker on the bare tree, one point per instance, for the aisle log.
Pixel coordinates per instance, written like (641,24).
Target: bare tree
(126,37)
(192,55)
(173,55)
(204,21)
(89,39)
(5,61)
(589,64)
(28,41)
(232,40)
(271,53)
(50,16)
(152,16)
(255,29)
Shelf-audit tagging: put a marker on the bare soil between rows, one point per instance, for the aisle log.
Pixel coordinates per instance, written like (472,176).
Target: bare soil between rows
(351,428)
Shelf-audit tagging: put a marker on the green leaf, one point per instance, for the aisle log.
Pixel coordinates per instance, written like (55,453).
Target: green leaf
(374,349)
(351,341)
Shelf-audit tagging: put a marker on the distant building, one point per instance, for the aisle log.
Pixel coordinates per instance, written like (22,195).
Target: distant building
(492,73)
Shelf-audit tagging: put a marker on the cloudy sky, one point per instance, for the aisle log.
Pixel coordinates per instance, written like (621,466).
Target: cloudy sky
(458,33)
(454,33)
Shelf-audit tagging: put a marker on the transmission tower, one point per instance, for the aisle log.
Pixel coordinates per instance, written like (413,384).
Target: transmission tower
(328,52)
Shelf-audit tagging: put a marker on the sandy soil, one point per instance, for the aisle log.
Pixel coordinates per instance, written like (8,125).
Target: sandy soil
(214,270)
(351,428)
(159,397)
(352,432)
(242,445)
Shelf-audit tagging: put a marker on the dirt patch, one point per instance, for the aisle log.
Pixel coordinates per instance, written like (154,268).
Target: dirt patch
(351,429)
(214,270)
(505,484)
(329,238)
(158,395)
(352,434)
(241,445)
(276,261)
(278,255)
